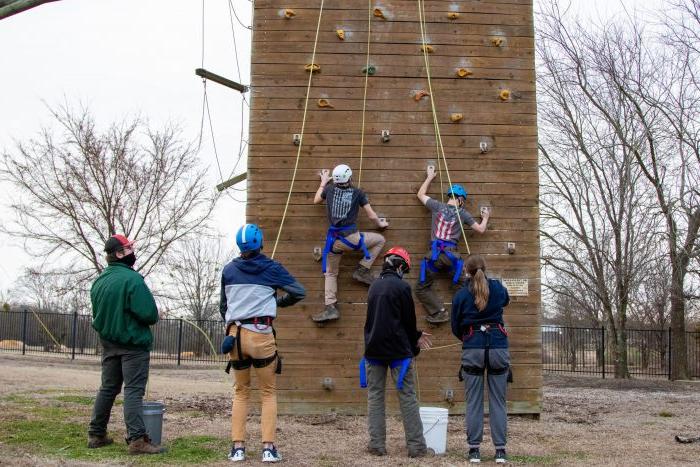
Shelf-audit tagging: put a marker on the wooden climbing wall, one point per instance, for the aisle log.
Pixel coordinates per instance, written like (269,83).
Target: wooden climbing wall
(493,41)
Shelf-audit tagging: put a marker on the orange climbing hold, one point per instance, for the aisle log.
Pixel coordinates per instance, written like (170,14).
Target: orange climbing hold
(420,94)
(323,103)
(340,33)
(312,67)
(504,95)
(379,13)
(289,13)
(464,72)
(427,48)
(453,15)
(456,117)
(497,41)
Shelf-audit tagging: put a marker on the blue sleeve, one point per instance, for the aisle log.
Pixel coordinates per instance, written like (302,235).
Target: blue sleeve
(223,302)
(456,316)
(285,281)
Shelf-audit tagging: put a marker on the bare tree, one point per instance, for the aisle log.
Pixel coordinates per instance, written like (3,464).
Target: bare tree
(73,190)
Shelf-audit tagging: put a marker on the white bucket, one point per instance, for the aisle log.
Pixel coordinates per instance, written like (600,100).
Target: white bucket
(435,428)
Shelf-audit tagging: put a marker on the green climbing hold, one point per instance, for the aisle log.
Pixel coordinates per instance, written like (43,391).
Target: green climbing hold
(369,70)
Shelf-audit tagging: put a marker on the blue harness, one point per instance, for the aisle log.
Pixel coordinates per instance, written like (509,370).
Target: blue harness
(405,363)
(334,234)
(440,246)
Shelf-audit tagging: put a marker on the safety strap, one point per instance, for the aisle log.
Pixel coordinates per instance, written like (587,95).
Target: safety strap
(334,234)
(242,364)
(404,362)
(438,246)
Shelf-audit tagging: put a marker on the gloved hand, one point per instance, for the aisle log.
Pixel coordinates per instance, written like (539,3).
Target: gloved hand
(227,344)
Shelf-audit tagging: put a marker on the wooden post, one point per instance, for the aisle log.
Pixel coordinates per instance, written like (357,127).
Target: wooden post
(13,7)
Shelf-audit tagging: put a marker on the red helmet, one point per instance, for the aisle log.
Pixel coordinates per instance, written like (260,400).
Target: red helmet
(402,253)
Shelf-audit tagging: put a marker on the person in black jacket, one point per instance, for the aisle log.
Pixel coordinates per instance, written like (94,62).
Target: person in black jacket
(477,320)
(391,342)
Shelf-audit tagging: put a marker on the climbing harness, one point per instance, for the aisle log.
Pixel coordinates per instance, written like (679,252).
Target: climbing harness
(437,247)
(261,323)
(479,370)
(405,364)
(334,234)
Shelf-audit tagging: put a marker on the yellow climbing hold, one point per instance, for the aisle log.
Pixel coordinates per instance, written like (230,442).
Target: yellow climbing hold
(464,72)
(427,48)
(340,33)
(420,94)
(312,67)
(497,41)
(323,103)
(504,95)
(453,15)
(456,117)
(289,13)
(379,13)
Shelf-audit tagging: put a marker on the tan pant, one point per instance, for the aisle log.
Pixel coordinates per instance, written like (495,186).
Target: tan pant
(374,243)
(254,345)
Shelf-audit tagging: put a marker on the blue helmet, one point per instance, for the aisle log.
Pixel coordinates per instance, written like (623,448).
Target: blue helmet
(249,238)
(457,191)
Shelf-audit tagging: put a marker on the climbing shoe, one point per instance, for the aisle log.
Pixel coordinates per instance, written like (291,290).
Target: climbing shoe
(271,455)
(144,445)
(363,275)
(236,454)
(377,451)
(441,316)
(501,456)
(474,456)
(329,313)
(95,441)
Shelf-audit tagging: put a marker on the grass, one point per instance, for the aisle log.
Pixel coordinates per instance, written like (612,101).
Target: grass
(50,428)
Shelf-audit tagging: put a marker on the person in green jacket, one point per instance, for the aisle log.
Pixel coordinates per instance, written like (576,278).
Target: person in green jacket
(123,309)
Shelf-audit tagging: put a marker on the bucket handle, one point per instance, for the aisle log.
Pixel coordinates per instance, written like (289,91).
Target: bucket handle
(434,425)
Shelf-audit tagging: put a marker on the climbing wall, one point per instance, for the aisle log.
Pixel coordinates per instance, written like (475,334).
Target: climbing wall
(481,63)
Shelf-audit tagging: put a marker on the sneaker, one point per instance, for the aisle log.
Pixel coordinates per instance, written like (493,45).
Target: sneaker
(417,452)
(144,445)
(236,454)
(501,456)
(441,316)
(329,313)
(271,455)
(95,441)
(474,456)
(363,275)
(377,451)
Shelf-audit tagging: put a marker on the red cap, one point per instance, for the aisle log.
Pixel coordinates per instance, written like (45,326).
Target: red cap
(401,252)
(117,242)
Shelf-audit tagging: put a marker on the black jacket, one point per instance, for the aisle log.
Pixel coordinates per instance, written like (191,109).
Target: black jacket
(390,329)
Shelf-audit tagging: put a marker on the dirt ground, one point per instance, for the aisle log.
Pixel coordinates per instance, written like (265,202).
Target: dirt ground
(585,421)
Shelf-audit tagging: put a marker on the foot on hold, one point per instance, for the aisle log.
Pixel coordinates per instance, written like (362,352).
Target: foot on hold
(237,454)
(474,456)
(501,456)
(440,317)
(363,275)
(271,455)
(377,451)
(329,313)
(95,441)
(144,445)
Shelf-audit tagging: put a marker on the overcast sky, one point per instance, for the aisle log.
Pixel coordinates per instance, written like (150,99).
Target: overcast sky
(126,58)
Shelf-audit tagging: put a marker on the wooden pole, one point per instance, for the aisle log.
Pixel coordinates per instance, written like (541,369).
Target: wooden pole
(221,80)
(232,181)
(12,7)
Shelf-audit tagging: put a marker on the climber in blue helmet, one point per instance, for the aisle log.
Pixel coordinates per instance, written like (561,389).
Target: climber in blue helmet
(444,252)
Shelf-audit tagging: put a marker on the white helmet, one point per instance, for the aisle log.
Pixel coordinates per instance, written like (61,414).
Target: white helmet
(342,173)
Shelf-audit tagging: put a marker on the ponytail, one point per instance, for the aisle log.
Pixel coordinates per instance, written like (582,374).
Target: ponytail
(479,285)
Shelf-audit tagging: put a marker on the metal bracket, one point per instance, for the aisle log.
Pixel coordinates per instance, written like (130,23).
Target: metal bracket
(296,139)
(386,136)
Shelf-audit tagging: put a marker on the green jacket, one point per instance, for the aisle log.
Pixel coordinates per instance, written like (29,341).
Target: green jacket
(123,308)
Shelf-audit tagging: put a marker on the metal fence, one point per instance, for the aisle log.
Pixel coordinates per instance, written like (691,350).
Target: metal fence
(71,335)
(590,351)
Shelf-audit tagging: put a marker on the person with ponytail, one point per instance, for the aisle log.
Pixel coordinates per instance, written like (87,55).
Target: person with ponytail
(477,320)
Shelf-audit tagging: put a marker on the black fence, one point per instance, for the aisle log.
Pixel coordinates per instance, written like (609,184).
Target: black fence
(591,351)
(72,336)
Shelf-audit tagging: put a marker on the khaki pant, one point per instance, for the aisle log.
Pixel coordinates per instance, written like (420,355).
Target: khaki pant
(374,243)
(254,345)
(424,291)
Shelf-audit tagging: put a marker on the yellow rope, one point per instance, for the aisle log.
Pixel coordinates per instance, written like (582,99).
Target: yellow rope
(206,336)
(301,135)
(364,97)
(421,15)
(58,345)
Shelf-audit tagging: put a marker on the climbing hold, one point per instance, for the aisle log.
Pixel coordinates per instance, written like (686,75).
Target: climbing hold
(369,70)
(456,117)
(484,147)
(296,139)
(453,15)
(312,67)
(379,13)
(464,72)
(427,48)
(420,94)
(504,95)
(323,103)
(386,136)
(289,13)
(340,33)
(497,41)
(328,383)
(484,209)
(318,253)
(510,248)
